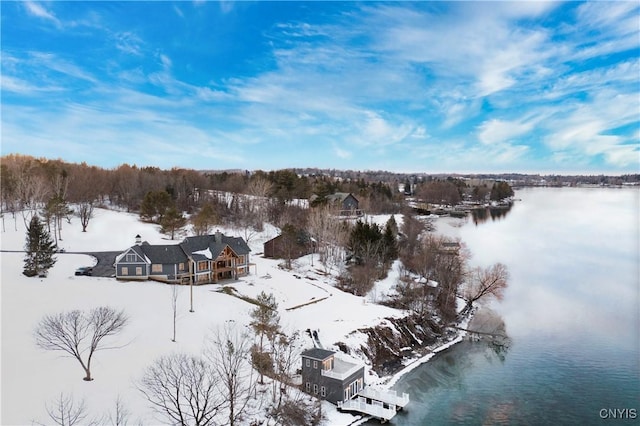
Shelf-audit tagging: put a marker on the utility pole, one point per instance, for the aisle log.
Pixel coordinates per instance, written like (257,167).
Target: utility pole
(191,278)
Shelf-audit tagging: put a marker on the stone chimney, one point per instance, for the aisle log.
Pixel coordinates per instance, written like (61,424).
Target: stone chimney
(138,240)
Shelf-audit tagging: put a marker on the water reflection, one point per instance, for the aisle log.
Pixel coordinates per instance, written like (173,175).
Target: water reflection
(483,214)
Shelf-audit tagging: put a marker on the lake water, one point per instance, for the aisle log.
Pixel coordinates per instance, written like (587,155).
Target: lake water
(571,311)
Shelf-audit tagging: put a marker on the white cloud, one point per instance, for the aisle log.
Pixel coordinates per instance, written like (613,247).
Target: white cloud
(128,42)
(342,153)
(36,9)
(496,131)
(591,128)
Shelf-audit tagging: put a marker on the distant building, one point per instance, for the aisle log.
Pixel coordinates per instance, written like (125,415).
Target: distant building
(198,260)
(345,202)
(286,246)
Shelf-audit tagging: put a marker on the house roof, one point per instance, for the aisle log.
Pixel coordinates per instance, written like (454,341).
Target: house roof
(170,253)
(204,247)
(340,196)
(302,237)
(317,353)
(215,243)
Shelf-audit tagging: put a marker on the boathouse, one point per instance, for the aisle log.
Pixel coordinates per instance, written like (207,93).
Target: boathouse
(330,377)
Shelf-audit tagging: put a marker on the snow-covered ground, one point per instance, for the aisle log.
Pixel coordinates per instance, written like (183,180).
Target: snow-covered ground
(32,377)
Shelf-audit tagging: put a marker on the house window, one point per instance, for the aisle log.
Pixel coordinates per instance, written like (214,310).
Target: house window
(138,270)
(202,266)
(315,389)
(241,260)
(315,364)
(181,267)
(156,267)
(308,362)
(130,257)
(307,386)
(323,391)
(125,271)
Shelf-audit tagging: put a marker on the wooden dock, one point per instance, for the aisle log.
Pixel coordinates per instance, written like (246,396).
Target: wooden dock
(380,404)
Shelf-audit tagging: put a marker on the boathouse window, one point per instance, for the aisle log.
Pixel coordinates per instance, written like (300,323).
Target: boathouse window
(323,391)
(131,257)
(315,365)
(124,271)
(308,363)
(139,270)
(307,386)
(315,389)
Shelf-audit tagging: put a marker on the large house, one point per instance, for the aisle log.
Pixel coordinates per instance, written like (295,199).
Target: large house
(198,260)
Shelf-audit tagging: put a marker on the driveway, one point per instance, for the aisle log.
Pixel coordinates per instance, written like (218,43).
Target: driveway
(104,267)
(105,260)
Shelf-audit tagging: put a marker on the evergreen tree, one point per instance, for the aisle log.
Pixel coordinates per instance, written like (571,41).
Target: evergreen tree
(500,191)
(389,244)
(265,323)
(172,221)
(39,248)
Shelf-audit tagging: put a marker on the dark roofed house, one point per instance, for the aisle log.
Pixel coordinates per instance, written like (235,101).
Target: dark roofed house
(345,202)
(289,245)
(199,259)
(328,376)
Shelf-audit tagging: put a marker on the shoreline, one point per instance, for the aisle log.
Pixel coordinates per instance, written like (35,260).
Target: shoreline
(387,382)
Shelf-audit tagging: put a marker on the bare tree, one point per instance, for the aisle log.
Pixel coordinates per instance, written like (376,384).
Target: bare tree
(183,389)
(485,282)
(330,234)
(286,359)
(228,351)
(66,411)
(259,190)
(120,414)
(80,334)
(85,213)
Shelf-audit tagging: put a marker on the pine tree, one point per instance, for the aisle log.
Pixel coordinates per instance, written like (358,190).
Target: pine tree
(172,221)
(265,323)
(39,248)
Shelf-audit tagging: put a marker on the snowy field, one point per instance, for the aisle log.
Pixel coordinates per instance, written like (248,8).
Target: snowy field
(32,377)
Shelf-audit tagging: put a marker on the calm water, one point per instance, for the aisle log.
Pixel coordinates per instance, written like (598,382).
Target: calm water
(571,310)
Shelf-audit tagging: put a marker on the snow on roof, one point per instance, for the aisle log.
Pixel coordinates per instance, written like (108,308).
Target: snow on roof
(206,253)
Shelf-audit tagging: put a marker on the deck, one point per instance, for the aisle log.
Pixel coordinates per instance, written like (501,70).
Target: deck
(389,397)
(375,409)
(380,404)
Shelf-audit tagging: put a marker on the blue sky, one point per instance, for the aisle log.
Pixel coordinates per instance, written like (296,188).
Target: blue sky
(402,86)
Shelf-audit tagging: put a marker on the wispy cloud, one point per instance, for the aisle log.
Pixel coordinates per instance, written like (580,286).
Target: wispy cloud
(447,85)
(36,9)
(499,131)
